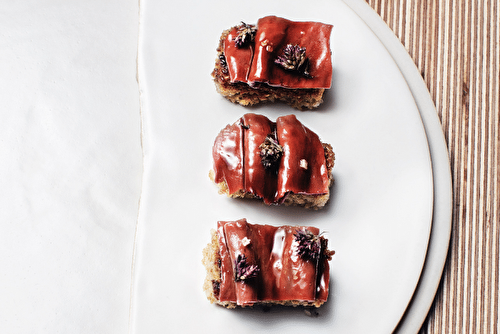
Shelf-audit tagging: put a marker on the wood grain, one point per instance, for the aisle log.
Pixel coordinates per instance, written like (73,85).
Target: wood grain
(456,47)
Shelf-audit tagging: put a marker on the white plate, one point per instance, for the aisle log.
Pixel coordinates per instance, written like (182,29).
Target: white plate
(380,213)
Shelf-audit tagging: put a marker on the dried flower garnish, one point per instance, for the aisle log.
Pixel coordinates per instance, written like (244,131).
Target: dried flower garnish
(246,35)
(309,245)
(223,63)
(294,59)
(244,270)
(271,152)
(216,288)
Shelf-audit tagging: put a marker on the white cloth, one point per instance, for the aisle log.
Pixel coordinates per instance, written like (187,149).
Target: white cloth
(71,164)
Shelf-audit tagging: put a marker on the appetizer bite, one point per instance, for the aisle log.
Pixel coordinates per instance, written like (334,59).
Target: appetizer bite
(250,264)
(280,162)
(275,60)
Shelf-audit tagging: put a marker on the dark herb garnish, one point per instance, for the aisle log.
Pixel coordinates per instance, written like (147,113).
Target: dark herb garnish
(271,152)
(309,245)
(294,59)
(244,270)
(244,126)
(311,312)
(246,35)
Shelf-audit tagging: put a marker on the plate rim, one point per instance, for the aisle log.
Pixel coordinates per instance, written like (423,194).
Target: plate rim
(439,239)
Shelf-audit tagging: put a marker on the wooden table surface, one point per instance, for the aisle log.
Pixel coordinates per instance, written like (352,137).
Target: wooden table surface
(456,47)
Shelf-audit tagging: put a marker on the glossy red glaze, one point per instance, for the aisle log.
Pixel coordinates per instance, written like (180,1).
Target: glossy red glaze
(303,165)
(255,63)
(283,274)
(238,59)
(228,153)
(257,180)
(237,159)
